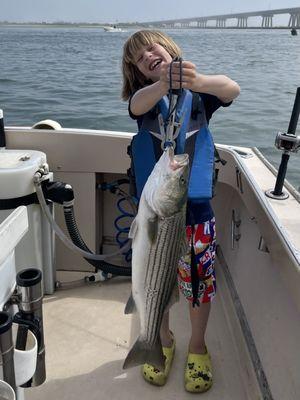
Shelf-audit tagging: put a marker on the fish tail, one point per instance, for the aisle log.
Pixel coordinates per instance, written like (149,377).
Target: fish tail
(141,353)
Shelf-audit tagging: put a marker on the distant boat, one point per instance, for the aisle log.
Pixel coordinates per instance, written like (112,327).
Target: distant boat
(294,32)
(113,29)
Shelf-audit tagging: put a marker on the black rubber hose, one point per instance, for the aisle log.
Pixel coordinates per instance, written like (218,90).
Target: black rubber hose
(78,241)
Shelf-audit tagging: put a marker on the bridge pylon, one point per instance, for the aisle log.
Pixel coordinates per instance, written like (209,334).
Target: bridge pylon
(294,21)
(267,21)
(201,24)
(242,22)
(221,23)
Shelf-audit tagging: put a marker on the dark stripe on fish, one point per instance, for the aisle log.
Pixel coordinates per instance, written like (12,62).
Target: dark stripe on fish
(161,266)
(157,261)
(166,253)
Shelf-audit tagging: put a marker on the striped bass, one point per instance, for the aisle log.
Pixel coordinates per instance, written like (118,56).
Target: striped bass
(158,242)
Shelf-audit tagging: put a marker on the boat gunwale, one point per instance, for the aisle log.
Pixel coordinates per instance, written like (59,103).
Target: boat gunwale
(264,202)
(233,150)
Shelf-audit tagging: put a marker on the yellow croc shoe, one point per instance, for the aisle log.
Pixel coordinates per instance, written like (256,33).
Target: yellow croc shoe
(154,375)
(198,373)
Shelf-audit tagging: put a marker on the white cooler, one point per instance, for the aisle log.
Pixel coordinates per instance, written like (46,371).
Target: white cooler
(17,168)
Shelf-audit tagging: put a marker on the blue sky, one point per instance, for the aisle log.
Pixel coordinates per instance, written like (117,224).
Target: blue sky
(112,11)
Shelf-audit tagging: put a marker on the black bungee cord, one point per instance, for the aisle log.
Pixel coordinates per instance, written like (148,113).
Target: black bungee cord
(174,91)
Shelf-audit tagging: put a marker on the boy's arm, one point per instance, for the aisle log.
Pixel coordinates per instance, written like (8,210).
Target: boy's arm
(146,98)
(218,85)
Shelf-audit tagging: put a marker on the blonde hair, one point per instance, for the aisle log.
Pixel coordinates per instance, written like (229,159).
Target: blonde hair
(133,79)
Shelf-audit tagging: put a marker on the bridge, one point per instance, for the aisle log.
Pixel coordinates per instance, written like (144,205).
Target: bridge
(241,19)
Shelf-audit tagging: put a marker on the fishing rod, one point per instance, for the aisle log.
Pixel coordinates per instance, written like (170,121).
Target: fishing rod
(288,143)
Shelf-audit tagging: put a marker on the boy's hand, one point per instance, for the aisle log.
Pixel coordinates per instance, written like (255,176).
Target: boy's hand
(190,77)
(164,76)
(218,85)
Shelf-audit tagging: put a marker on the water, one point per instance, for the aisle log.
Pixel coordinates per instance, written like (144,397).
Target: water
(73,75)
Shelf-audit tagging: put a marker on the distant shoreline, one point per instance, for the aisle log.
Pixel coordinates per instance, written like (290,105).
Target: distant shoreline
(52,25)
(120,25)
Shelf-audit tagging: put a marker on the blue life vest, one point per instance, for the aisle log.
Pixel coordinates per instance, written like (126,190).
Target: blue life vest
(194,138)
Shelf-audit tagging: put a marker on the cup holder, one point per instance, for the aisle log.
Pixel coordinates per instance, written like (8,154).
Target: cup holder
(6,391)
(25,360)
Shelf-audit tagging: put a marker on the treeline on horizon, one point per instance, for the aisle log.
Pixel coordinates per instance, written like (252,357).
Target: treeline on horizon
(69,23)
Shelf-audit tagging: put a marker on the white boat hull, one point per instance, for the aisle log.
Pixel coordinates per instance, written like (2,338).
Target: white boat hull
(261,266)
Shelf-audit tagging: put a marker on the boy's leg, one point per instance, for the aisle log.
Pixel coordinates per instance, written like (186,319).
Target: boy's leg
(198,370)
(165,334)
(199,317)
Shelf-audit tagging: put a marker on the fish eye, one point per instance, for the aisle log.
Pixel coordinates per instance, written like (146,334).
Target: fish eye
(182,180)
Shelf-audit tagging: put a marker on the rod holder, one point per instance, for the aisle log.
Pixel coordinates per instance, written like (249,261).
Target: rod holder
(7,349)
(288,143)
(30,317)
(2,131)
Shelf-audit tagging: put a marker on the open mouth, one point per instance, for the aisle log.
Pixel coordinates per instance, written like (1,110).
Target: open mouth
(179,161)
(154,64)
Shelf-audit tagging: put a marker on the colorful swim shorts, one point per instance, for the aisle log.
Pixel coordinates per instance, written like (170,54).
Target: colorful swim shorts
(205,251)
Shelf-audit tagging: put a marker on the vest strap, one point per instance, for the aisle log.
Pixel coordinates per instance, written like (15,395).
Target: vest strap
(194,272)
(196,105)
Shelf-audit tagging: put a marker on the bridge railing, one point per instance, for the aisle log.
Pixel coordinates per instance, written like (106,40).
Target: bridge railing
(241,19)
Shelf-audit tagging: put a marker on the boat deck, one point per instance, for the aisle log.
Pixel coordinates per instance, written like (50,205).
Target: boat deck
(88,336)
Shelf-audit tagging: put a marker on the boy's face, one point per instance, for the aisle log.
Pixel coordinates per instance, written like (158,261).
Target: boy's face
(149,60)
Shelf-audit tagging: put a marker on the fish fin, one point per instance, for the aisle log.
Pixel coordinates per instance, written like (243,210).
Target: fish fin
(152,228)
(130,306)
(133,229)
(140,354)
